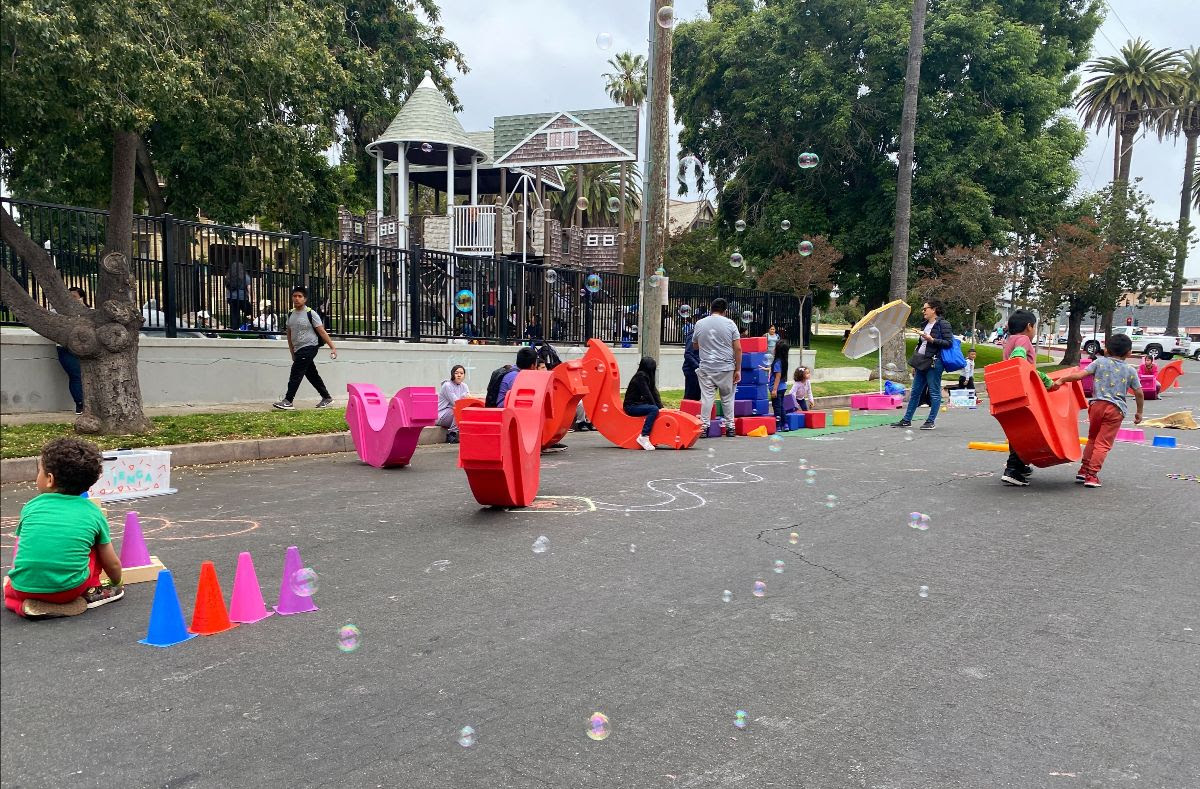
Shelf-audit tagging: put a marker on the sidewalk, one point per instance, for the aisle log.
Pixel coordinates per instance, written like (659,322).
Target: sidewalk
(67,417)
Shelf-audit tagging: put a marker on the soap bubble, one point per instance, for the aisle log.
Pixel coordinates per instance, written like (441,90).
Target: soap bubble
(794,538)
(541,544)
(551,276)
(808,160)
(806,248)
(426,147)
(604,408)
(689,162)
(923,592)
(778,567)
(712,453)
(736,259)
(830,501)
(739,225)
(466,736)
(582,204)
(739,719)
(598,726)
(464,301)
(776,443)
(918,520)
(760,588)
(666,16)
(304,582)
(632,548)
(348,638)
(785,225)
(727,595)
(604,41)
(614,205)
(592,283)
(685,311)
(908,435)
(747,316)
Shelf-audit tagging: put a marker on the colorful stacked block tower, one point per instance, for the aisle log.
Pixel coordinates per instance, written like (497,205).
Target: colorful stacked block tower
(752,399)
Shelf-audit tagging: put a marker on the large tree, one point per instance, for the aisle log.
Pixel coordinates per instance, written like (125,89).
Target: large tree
(966,278)
(600,184)
(1184,121)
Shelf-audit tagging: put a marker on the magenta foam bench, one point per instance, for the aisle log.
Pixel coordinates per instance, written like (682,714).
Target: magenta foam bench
(875,402)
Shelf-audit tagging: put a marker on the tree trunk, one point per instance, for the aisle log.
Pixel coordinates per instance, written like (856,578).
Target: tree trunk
(654,202)
(894,351)
(1129,130)
(1074,336)
(1181,244)
(149,178)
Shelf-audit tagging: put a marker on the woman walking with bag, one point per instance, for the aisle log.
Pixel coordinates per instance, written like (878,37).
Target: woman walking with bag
(927,366)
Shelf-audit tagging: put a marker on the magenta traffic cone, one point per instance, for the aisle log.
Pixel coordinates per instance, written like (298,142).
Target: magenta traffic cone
(246,605)
(133,545)
(291,602)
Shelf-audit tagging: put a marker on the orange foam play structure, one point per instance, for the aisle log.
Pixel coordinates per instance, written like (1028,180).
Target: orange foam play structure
(466,402)
(566,391)
(1043,427)
(1169,374)
(500,449)
(605,409)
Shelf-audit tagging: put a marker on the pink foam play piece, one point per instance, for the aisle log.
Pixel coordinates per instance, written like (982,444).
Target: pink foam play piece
(290,602)
(1131,434)
(875,402)
(1149,385)
(385,433)
(134,552)
(246,605)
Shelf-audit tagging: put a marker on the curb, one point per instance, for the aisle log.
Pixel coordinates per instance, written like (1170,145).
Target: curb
(211,453)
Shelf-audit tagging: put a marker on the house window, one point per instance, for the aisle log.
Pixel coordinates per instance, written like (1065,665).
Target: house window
(610,241)
(562,140)
(592,241)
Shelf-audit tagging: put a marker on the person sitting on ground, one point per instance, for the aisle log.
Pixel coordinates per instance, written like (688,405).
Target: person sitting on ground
(526,360)
(62,539)
(642,398)
(1148,367)
(966,379)
(450,392)
(266,320)
(801,389)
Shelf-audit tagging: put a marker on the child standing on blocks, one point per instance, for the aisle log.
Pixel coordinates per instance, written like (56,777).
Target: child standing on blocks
(1022,328)
(1113,378)
(63,541)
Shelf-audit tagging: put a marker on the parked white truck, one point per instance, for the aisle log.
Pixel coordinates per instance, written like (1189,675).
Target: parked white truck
(1157,345)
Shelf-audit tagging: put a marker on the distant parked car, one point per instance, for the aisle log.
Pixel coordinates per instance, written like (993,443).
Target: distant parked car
(1156,345)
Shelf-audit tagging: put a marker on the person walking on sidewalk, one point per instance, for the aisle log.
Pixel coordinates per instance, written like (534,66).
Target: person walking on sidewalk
(305,335)
(720,346)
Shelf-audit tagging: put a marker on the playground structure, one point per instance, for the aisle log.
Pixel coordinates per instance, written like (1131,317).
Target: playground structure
(386,434)
(1042,427)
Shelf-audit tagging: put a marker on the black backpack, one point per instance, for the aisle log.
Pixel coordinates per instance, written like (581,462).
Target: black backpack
(493,388)
(308,313)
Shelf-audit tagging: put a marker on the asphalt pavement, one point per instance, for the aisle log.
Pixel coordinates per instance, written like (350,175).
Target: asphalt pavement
(1057,645)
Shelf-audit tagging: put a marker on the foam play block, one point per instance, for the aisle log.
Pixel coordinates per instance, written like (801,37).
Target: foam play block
(754,345)
(794,420)
(744,424)
(1042,427)
(859,402)
(756,377)
(693,407)
(1168,374)
(743,408)
(789,403)
(814,419)
(1149,386)
(1164,441)
(761,407)
(386,432)
(751,392)
(139,574)
(751,361)
(715,428)
(1132,435)
(758,432)
(841,417)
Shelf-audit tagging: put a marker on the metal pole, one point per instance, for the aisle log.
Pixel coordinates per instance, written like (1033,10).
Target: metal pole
(647,173)
(524,215)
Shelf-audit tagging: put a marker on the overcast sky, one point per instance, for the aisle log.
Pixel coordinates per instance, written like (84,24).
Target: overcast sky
(541,55)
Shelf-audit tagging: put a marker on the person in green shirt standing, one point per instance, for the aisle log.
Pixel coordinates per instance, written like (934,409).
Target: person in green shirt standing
(62,540)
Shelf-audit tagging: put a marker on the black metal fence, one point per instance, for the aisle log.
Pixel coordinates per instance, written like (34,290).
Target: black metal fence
(200,279)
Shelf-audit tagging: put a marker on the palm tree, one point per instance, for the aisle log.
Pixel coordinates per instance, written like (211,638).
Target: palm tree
(1184,120)
(1123,91)
(601,182)
(626,84)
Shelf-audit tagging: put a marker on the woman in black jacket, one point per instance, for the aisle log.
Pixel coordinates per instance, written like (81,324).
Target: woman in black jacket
(641,398)
(926,362)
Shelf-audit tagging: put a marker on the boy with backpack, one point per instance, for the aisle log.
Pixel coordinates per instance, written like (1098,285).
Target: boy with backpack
(305,335)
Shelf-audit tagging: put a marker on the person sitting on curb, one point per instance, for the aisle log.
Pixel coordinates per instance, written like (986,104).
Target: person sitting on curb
(642,398)
(450,392)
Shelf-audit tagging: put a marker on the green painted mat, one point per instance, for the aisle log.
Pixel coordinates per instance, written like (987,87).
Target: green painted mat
(858,421)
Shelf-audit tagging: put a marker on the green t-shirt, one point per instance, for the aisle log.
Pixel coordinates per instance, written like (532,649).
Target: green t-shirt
(57,534)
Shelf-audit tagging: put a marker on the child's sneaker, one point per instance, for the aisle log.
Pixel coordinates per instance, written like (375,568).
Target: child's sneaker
(644,442)
(40,609)
(283,405)
(1013,476)
(97,596)
(1080,478)
(1091,481)
(730,430)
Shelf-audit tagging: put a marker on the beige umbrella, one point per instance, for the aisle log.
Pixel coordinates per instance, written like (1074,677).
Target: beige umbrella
(877,327)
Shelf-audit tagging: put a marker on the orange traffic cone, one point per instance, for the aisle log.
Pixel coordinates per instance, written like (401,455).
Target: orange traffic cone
(210,615)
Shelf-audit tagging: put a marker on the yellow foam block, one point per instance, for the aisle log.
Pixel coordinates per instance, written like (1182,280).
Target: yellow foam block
(139,575)
(758,432)
(988,446)
(841,417)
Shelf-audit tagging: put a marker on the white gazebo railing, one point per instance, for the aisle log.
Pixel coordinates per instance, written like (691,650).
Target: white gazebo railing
(474,229)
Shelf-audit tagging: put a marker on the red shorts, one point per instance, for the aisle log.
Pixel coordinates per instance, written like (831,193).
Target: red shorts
(14,597)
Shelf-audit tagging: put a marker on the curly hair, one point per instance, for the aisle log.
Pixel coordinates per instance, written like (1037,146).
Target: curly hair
(75,464)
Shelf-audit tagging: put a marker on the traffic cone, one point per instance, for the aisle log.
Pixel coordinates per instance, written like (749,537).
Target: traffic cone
(290,602)
(246,605)
(209,616)
(166,618)
(133,545)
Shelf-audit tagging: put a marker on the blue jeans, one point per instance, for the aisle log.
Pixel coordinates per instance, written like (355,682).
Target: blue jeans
(930,379)
(70,365)
(646,410)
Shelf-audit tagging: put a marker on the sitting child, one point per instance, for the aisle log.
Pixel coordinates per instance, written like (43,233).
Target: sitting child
(1148,367)
(63,540)
(642,398)
(801,388)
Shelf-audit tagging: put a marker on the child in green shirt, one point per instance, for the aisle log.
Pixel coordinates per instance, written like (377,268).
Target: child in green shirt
(63,539)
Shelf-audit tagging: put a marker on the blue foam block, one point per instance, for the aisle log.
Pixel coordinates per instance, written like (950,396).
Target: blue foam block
(751,392)
(755,377)
(794,421)
(752,360)
(762,407)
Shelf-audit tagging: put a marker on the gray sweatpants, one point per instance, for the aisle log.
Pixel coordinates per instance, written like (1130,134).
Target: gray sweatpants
(711,383)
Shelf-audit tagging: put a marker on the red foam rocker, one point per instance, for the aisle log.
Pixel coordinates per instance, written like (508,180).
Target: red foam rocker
(1042,427)
(605,409)
(1169,374)
(385,433)
(501,448)
(566,391)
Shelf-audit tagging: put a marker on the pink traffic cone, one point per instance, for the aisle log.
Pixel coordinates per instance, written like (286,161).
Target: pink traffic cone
(133,545)
(289,601)
(246,605)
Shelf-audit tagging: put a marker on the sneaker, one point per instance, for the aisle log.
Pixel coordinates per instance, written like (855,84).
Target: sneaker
(644,442)
(1014,477)
(553,448)
(730,431)
(40,609)
(79,409)
(902,423)
(283,405)
(1080,478)
(1091,481)
(325,402)
(97,596)
(928,425)
(452,437)
(1027,470)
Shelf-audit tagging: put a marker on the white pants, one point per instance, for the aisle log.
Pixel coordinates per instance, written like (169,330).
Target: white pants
(711,383)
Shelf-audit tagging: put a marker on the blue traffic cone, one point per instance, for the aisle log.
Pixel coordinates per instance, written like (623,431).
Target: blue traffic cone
(167,627)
